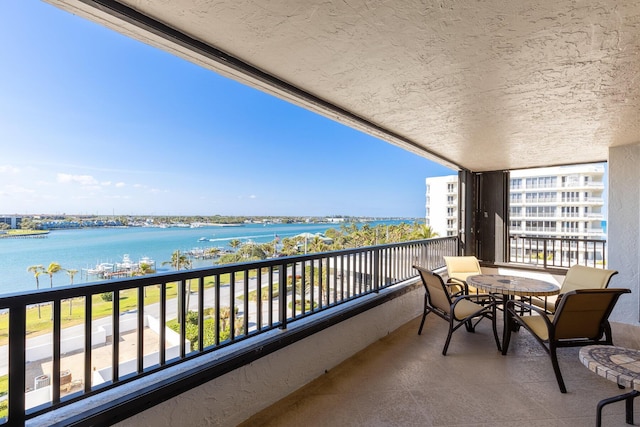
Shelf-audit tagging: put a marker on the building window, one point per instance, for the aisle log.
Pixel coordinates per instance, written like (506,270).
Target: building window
(570,196)
(450,188)
(545,196)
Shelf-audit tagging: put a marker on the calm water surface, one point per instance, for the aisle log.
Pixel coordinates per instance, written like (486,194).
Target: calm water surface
(83,249)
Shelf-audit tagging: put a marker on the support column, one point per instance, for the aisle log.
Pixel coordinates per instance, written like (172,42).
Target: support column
(623,229)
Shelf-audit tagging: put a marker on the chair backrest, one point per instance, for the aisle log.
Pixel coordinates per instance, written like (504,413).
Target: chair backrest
(581,277)
(436,289)
(582,313)
(461,267)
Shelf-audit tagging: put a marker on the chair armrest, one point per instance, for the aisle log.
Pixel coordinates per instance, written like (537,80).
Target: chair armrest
(476,297)
(557,303)
(452,281)
(510,307)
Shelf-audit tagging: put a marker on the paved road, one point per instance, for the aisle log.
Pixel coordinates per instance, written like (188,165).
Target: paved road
(150,309)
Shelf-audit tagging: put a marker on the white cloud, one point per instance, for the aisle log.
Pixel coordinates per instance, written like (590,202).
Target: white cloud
(253,196)
(120,184)
(105,183)
(79,179)
(16,189)
(9,169)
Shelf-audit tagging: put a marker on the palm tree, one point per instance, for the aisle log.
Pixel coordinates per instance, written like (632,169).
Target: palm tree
(235,244)
(179,261)
(71,273)
(213,253)
(52,269)
(424,231)
(37,270)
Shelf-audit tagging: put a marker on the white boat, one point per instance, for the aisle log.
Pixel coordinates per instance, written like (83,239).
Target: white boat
(100,269)
(126,263)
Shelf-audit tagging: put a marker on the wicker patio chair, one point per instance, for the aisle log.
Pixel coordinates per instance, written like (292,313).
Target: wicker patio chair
(581,318)
(457,312)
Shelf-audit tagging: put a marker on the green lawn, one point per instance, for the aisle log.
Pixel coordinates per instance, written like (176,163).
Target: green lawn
(13,233)
(38,324)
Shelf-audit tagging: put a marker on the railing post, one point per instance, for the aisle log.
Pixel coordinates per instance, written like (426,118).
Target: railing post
(17,363)
(282,295)
(544,254)
(376,270)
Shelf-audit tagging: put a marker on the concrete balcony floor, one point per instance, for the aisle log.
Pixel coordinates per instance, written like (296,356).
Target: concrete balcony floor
(403,380)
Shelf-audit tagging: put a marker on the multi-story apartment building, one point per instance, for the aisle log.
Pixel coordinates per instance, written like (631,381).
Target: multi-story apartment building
(442,205)
(557,202)
(553,202)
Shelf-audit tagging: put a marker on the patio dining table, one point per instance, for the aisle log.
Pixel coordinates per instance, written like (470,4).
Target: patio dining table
(512,286)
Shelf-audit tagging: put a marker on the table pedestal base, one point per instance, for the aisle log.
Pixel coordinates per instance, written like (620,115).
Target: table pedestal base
(628,397)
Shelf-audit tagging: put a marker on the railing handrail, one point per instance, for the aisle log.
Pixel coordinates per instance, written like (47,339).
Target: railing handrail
(327,279)
(554,251)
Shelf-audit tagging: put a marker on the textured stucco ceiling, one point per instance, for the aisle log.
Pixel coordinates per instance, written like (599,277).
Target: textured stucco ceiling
(485,85)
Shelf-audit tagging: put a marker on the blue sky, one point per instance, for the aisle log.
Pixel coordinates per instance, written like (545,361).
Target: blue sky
(92,122)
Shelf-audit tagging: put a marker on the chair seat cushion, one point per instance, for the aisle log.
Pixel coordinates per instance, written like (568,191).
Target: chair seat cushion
(538,326)
(466,308)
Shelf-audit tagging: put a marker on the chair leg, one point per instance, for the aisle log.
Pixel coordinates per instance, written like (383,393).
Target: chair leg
(469,326)
(628,398)
(495,329)
(446,343)
(506,336)
(608,339)
(424,315)
(556,368)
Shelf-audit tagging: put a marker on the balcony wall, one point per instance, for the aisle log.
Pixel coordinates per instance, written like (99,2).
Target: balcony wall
(234,397)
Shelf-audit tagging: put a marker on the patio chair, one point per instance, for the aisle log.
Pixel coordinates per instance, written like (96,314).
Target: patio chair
(460,311)
(458,269)
(581,318)
(578,277)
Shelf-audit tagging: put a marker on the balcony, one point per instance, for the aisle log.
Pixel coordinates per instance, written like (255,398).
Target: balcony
(226,317)
(403,379)
(419,121)
(340,320)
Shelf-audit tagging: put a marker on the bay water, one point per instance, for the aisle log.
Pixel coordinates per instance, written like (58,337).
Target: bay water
(85,248)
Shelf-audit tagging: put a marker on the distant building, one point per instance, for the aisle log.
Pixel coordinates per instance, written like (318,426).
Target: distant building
(13,221)
(442,205)
(334,220)
(563,201)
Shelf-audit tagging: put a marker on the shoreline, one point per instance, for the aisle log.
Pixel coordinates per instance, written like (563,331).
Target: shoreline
(31,234)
